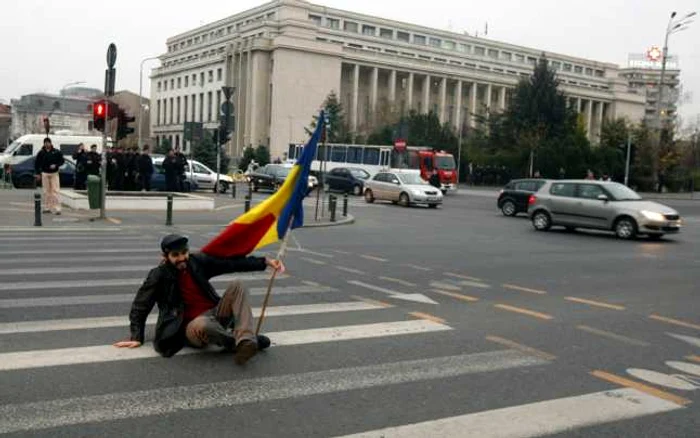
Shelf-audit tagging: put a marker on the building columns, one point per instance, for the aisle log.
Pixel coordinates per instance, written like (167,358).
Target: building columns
(443,98)
(589,119)
(458,106)
(502,96)
(373,93)
(392,89)
(488,100)
(600,119)
(409,98)
(426,94)
(355,96)
(472,106)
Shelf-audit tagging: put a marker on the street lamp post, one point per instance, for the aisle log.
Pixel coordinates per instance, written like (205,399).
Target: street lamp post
(69,85)
(671,28)
(141,95)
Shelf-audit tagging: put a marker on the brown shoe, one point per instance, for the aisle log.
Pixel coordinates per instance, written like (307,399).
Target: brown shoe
(244,351)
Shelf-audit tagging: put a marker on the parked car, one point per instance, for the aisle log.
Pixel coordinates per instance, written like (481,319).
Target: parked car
(347,180)
(600,205)
(271,176)
(23,176)
(204,176)
(512,199)
(158,179)
(405,187)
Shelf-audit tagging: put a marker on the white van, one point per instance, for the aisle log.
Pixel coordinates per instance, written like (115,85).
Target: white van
(29,145)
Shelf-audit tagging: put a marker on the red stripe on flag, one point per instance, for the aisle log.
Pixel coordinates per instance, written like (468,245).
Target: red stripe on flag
(239,239)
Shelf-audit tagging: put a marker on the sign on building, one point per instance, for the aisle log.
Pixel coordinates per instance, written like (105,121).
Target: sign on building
(652,58)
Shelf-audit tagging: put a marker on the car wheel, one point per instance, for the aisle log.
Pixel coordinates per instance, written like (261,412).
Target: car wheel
(187,187)
(541,221)
(508,208)
(223,187)
(404,200)
(369,196)
(625,228)
(356,190)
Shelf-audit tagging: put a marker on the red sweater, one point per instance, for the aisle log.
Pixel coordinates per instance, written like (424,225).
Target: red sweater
(196,302)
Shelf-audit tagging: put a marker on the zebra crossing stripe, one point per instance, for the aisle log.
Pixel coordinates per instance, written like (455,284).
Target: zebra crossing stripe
(111,282)
(108,353)
(123,321)
(82,300)
(536,419)
(124,405)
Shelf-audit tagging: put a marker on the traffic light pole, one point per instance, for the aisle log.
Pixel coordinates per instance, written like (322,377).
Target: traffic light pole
(103,166)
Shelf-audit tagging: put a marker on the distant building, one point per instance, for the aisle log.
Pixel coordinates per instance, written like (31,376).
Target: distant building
(72,114)
(129,102)
(284,57)
(643,76)
(5,124)
(70,111)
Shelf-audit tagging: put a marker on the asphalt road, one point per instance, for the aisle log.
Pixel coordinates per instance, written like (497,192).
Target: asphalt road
(411,322)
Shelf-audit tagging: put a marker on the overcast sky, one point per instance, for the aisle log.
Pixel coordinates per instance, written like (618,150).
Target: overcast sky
(45,45)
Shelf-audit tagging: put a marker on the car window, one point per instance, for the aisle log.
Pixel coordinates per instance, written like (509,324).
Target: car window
(359,173)
(527,186)
(509,186)
(589,191)
(563,189)
(335,171)
(199,168)
(25,150)
(538,185)
(381,177)
(392,178)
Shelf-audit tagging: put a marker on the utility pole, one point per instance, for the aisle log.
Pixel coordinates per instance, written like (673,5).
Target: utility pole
(110,77)
(627,161)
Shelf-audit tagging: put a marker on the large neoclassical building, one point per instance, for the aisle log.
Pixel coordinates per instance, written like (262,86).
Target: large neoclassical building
(284,57)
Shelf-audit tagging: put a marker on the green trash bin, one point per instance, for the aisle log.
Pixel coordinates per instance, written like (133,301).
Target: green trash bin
(94,189)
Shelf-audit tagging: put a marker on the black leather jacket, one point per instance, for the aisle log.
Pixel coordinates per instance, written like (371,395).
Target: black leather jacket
(160,287)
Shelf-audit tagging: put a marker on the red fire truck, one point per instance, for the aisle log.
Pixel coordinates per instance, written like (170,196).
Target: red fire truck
(427,160)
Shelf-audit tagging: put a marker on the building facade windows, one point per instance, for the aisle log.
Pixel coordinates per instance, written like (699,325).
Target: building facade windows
(350,26)
(368,30)
(219,74)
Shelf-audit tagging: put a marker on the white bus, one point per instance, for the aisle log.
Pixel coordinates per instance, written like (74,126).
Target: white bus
(372,158)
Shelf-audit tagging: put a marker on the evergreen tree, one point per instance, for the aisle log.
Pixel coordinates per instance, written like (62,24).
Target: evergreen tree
(205,153)
(248,156)
(262,155)
(338,132)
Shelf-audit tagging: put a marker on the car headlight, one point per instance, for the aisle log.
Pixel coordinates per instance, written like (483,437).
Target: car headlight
(653,216)
(416,192)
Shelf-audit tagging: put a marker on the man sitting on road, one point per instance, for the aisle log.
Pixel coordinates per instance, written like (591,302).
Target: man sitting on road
(190,310)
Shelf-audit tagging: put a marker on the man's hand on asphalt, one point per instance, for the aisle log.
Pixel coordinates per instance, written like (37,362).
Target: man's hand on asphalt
(275,264)
(127,344)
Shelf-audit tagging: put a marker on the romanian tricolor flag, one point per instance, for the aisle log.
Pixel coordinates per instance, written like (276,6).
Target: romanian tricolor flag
(269,221)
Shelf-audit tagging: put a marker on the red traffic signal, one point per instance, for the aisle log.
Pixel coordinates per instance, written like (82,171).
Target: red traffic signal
(100,109)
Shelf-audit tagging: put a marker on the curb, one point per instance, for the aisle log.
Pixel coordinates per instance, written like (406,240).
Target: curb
(347,221)
(105,228)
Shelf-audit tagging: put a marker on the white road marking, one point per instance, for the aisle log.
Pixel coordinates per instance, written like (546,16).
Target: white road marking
(313,261)
(68,284)
(78,300)
(123,321)
(536,419)
(109,407)
(108,353)
(374,258)
(662,379)
(351,270)
(399,281)
(419,298)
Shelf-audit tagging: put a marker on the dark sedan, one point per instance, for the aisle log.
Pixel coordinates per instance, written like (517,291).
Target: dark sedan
(23,174)
(269,177)
(513,198)
(347,180)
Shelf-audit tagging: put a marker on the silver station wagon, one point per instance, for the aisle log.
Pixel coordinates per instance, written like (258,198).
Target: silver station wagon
(600,205)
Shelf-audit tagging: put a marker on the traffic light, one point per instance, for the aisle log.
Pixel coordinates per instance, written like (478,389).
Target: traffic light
(100,109)
(123,128)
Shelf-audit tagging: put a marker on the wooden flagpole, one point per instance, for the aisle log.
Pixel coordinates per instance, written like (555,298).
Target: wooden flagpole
(280,256)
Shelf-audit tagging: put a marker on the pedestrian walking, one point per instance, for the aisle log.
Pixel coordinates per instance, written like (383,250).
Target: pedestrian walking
(46,166)
(94,161)
(190,311)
